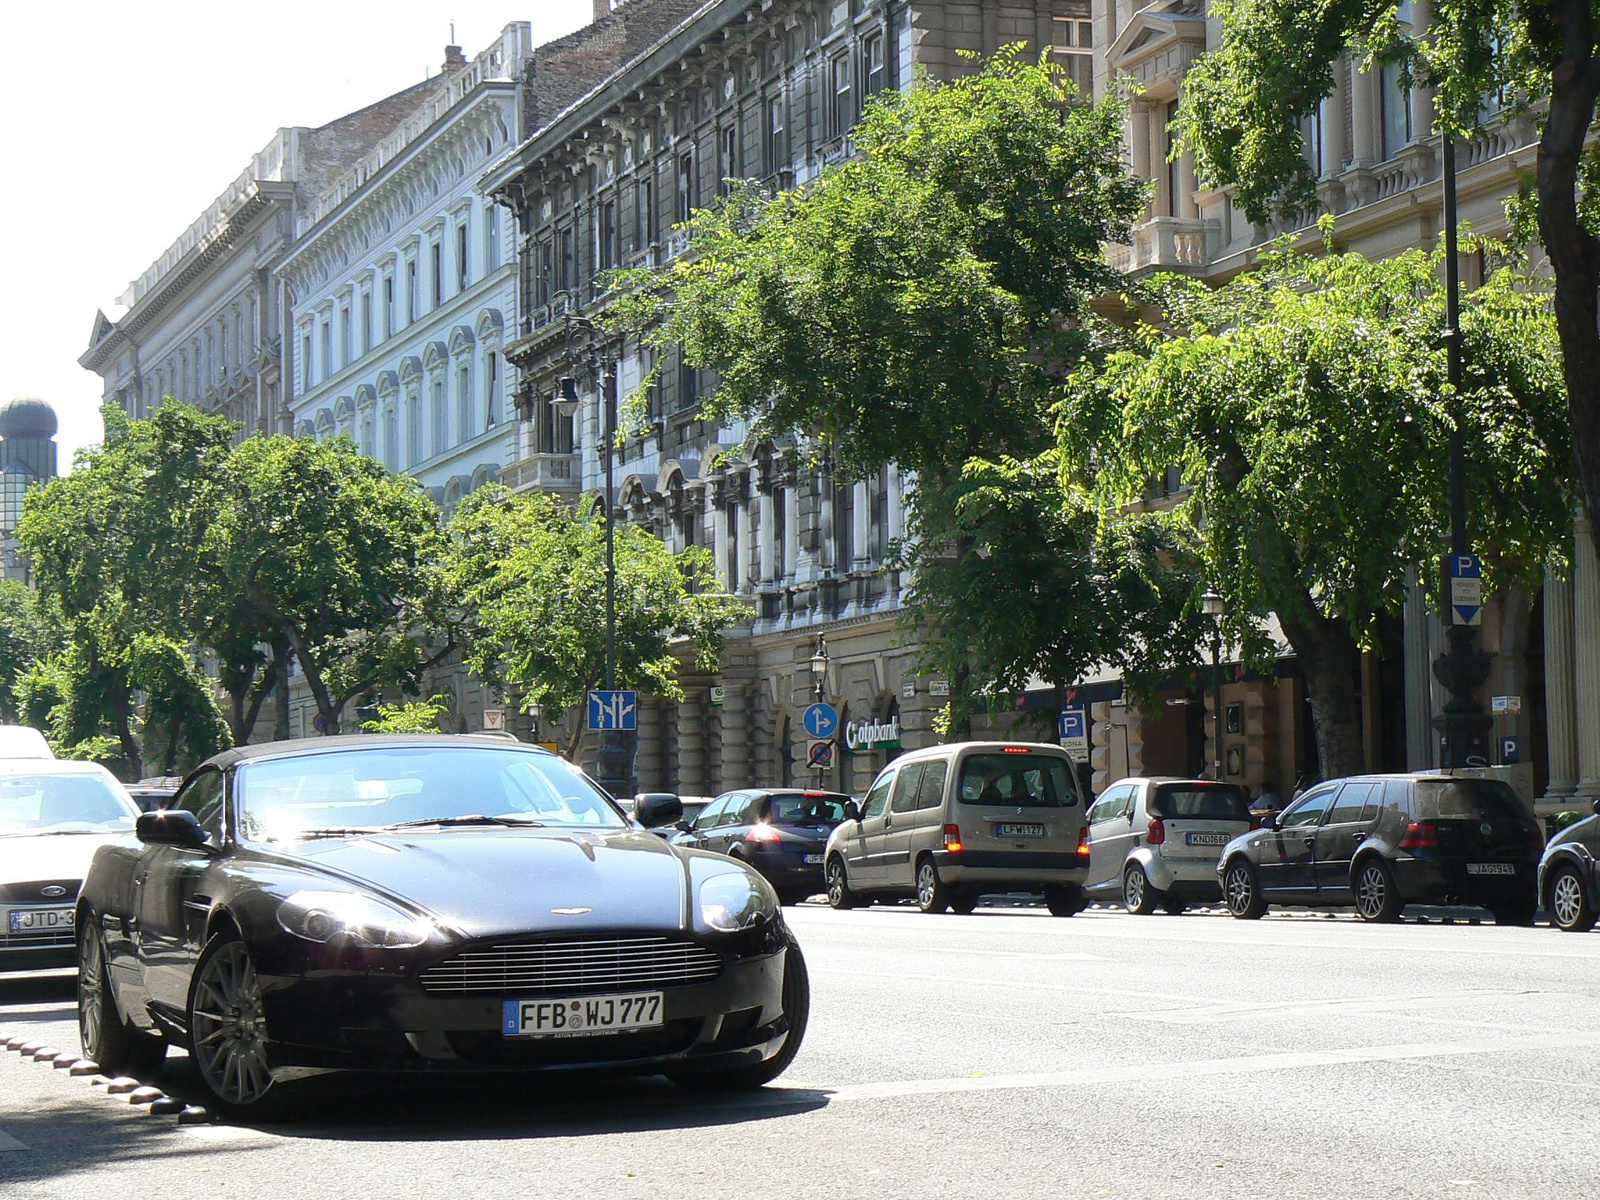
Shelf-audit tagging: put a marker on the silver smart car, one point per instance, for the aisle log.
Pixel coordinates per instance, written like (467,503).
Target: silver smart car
(1153,843)
(949,823)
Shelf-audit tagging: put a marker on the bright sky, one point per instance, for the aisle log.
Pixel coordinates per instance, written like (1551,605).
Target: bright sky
(122,122)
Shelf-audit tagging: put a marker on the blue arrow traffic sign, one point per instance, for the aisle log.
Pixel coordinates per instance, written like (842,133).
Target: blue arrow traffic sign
(613,710)
(821,720)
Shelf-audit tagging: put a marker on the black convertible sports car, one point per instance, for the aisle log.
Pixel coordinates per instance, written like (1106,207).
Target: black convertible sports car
(426,903)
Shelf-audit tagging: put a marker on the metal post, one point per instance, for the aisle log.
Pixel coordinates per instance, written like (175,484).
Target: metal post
(1216,688)
(1463,667)
(613,764)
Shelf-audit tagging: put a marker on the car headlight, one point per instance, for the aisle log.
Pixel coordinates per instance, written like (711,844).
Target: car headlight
(732,901)
(361,920)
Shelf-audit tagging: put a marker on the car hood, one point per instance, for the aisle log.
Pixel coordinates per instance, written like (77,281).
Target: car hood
(492,882)
(51,856)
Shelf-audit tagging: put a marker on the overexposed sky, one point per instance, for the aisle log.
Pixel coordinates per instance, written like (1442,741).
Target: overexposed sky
(120,123)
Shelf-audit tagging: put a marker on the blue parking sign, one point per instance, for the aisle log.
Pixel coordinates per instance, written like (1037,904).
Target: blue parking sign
(1510,749)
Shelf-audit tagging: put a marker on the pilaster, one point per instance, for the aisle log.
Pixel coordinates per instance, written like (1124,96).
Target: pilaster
(1586,658)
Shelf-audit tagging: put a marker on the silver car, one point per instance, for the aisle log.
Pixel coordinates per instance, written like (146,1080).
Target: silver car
(1153,843)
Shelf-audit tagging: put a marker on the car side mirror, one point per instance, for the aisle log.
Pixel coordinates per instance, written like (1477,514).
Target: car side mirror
(1597,808)
(852,811)
(657,808)
(1270,822)
(170,827)
(685,826)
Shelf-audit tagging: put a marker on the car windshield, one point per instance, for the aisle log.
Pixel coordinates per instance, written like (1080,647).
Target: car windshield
(1202,802)
(364,789)
(799,809)
(47,803)
(1467,800)
(1020,779)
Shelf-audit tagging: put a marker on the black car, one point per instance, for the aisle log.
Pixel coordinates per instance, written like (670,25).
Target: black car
(781,832)
(1380,842)
(689,809)
(155,792)
(416,903)
(1569,880)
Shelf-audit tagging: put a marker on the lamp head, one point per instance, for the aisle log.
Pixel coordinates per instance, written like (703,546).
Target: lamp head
(1211,604)
(565,401)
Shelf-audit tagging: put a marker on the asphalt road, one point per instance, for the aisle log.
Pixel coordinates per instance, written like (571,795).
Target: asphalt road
(1006,1054)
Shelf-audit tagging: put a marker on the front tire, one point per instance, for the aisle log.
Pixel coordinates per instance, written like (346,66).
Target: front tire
(107,1039)
(1241,891)
(933,896)
(796,1007)
(839,893)
(228,1032)
(1377,898)
(1568,901)
(1138,895)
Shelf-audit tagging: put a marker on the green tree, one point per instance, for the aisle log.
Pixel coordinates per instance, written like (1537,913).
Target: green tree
(324,550)
(530,572)
(30,630)
(1243,103)
(922,304)
(1307,407)
(413,716)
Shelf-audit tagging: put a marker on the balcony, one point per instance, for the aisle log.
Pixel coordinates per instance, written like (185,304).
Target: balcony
(1168,243)
(542,473)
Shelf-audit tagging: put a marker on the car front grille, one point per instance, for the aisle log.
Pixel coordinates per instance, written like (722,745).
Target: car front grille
(34,939)
(574,965)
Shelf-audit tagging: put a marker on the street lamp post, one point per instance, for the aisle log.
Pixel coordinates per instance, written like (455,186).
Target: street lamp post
(1463,667)
(1211,605)
(611,765)
(819,677)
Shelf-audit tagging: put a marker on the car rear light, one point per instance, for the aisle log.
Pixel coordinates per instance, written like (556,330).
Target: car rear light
(1083,841)
(1014,750)
(952,839)
(811,794)
(1420,835)
(762,833)
(1157,832)
(1535,840)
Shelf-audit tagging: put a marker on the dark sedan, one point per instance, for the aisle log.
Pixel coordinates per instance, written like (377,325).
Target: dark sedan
(781,832)
(1569,879)
(425,904)
(1379,842)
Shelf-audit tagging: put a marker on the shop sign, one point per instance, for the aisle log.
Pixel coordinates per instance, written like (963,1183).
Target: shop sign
(872,735)
(938,687)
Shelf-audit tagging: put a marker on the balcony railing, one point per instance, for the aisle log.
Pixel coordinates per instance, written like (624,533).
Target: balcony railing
(1167,242)
(542,472)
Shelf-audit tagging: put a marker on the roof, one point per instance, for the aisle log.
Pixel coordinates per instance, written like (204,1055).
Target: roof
(359,741)
(51,766)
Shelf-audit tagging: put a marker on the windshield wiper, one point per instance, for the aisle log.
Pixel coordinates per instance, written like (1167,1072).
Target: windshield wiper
(468,819)
(330,831)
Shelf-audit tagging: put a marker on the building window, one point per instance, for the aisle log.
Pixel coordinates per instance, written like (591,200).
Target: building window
(412,299)
(366,321)
(327,348)
(688,384)
(727,158)
(441,416)
(874,74)
(436,252)
(843,110)
(464,428)
(606,235)
(544,279)
(306,377)
(1396,103)
(688,192)
(647,212)
(567,266)
(491,238)
(413,429)
(1073,48)
(1174,174)
(774,153)
(491,389)
(388,306)
(461,256)
(391,440)
(346,343)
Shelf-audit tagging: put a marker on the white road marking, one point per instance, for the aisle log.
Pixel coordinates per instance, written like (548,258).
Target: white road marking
(7,1142)
(1199,1069)
(1353,1004)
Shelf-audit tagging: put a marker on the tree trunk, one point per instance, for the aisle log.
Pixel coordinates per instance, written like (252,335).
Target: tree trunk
(1329,661)
(280,688)
(1574,252)
(122,706)
(302,652)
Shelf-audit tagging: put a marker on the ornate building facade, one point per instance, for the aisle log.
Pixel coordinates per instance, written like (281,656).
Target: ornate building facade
(747,90)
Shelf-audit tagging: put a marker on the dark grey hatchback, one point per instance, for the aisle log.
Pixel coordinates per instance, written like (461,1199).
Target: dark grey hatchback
(1569,879)
(1379,842)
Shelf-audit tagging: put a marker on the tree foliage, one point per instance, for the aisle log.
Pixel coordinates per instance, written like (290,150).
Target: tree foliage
(530,572)
(1244,100)
(1307,408)
(30,631)
(411,716)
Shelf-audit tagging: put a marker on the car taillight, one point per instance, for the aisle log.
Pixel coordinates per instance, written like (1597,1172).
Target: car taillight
(1157,832)
(952,839)
(762,833)
(1535,840)
(1420,835)
(1083,841)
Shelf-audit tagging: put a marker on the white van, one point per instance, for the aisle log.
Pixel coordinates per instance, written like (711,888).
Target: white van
(949,823)
(23,741)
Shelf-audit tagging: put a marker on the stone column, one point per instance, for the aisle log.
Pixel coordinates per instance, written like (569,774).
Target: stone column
(691,746)
(1185,206)
(1421,98)
(734,715)
(791,528)
(769,548)
(862,533)
(1139,139)
(1559,697)
(647,766)
(719,538)
(1363,117)
(1420,738)
(1334,149)
(1586,658)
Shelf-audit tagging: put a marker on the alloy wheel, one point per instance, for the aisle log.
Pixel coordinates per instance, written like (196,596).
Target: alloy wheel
(91,991)
(927,882)
(1566,899)
(1241,889)
(837,888)
(1372,891)
(227,1027)
(1133,885)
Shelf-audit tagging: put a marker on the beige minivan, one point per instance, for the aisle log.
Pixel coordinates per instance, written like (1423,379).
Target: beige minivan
(949,823)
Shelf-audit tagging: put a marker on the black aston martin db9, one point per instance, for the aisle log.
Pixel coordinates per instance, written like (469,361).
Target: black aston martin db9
(426,903)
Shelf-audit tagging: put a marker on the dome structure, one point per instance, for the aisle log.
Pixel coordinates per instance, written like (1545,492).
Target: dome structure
(27,417)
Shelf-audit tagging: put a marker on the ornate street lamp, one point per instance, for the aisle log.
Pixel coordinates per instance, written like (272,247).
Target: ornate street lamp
(1211,604)
(819,666)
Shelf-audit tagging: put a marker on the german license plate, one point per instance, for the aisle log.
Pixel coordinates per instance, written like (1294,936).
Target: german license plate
(1491,868)
(811,859)
(581,1016)
(1020,830)
(29,920)
(1207,839)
